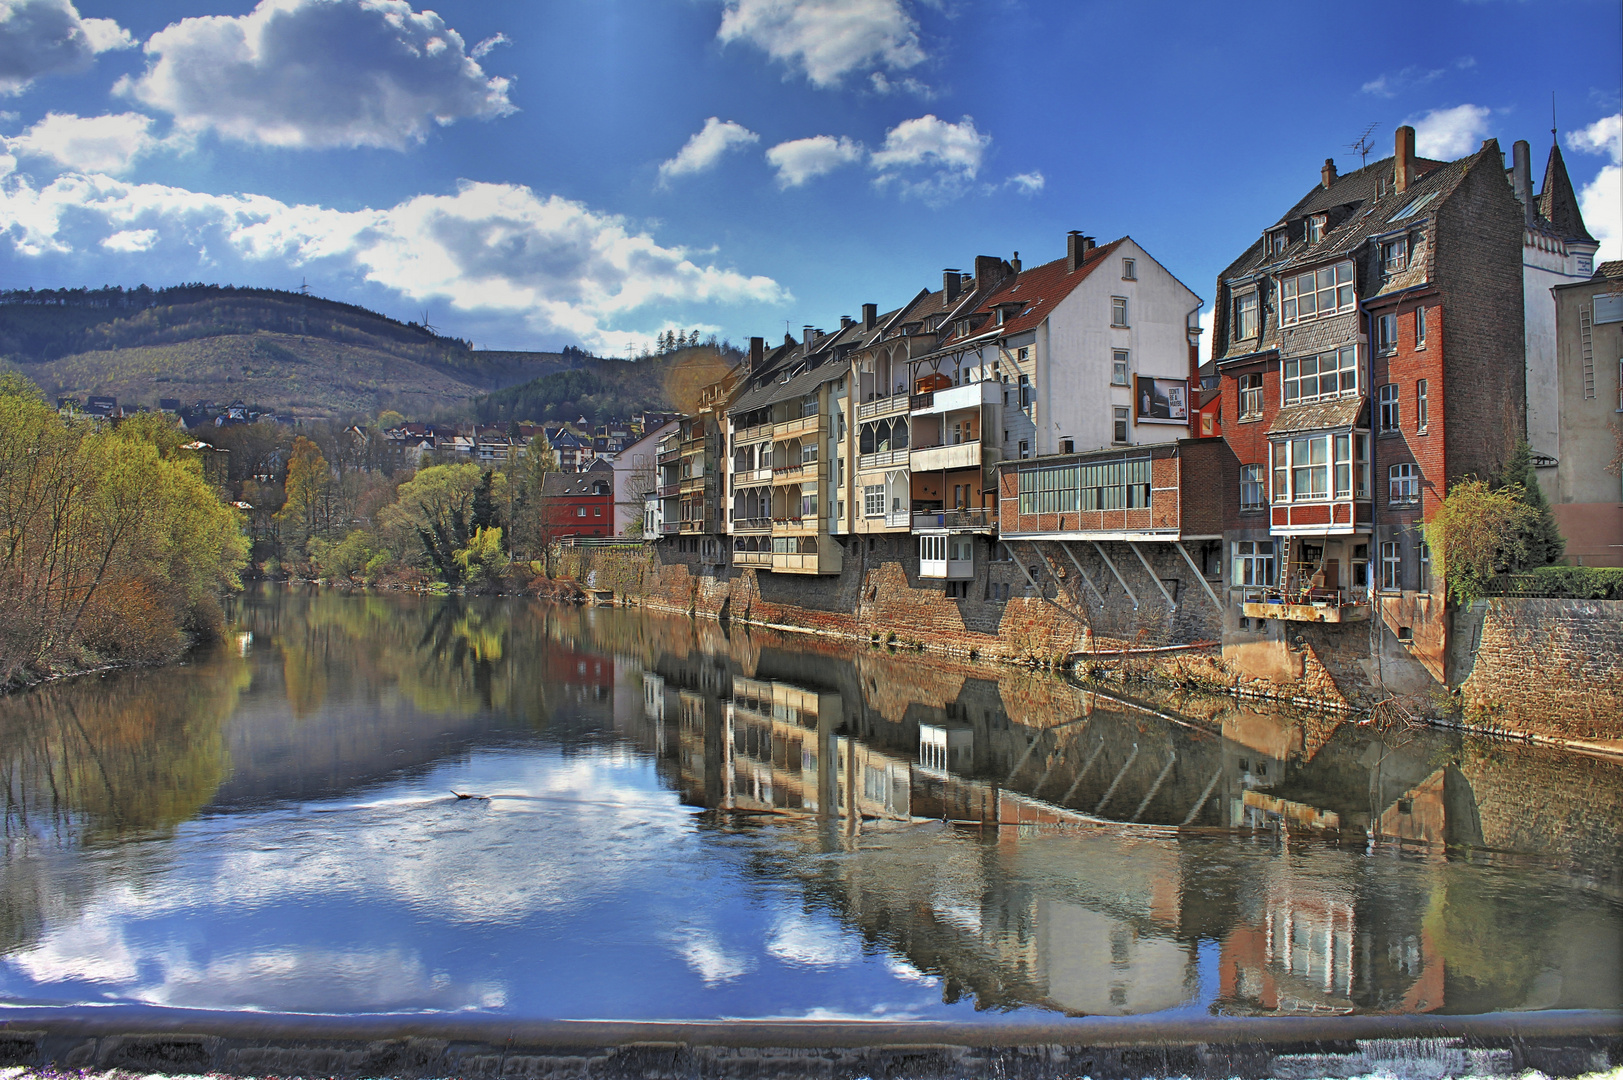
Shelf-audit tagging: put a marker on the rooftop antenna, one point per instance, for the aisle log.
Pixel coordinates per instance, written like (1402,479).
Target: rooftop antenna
(1553,124)
(1362,145)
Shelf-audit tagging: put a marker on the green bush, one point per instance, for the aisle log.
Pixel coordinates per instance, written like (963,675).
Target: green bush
(1579,582)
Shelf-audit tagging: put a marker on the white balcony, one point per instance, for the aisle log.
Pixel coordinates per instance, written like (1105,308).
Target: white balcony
(969,396)
(966,455)
(951,569)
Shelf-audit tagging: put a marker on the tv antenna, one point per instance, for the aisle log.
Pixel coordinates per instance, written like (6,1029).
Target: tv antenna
(1362,145)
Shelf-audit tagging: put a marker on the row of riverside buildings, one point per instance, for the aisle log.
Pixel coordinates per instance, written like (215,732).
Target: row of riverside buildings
(1397,329)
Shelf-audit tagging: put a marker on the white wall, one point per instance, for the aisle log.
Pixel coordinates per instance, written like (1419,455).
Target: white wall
(1546,262)
(638,459)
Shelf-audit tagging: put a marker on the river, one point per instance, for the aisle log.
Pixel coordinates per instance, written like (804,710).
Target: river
(667,820)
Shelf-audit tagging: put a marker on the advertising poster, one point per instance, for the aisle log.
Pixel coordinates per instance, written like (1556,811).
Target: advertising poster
(1162,401)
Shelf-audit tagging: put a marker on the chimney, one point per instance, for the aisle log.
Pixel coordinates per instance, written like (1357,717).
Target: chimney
(1014,263)
(1327,175)
(1074,251)
(870,316)
(1403,161)
(989,272)
(1521,178)
(950,281)
(807,340)
(846,322)
(757,352)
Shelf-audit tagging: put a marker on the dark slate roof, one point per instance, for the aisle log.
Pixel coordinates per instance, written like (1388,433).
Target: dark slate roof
(1558,203)
(581,483)
(1317,416)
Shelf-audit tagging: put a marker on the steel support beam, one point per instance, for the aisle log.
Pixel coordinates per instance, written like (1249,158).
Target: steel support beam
(1081,573)
(1204,584)
(1126,587)
(1150,570)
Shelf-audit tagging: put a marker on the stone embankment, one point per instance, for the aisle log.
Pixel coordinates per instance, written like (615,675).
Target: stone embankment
(1550,669)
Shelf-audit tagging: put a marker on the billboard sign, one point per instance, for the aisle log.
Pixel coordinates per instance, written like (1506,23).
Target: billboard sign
(1162,401)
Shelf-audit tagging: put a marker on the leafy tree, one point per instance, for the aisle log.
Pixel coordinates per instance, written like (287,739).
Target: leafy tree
(308,481)
(1478,532)
(433,512)
(1541,542)
(483,557)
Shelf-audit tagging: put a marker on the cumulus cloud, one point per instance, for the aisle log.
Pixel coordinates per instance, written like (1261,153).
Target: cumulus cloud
(1027,183)
(826,39)
(1446,134)
(706,148)
(317,73)
(496,248)
(800,160)
(930,158)
(42,37)
(1601,200)
(107,144)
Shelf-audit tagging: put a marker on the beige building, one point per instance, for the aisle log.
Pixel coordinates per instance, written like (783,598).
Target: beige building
(1586,498)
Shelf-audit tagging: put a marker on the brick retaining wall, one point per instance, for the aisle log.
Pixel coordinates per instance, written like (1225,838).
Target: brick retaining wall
(1549,667)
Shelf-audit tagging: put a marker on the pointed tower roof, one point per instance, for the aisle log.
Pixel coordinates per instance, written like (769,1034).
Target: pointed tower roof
(1557,202)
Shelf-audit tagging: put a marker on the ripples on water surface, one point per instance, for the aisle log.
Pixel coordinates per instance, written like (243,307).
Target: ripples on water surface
(673,822)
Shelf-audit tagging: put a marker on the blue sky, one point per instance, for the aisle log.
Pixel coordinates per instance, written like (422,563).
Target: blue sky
(548,172)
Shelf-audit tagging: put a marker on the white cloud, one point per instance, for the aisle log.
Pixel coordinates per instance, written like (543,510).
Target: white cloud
(1446,134)
(1601,200)
(478,51)
(800,160)
(42,37)
(130,240)
(317,73)
(952,151)
(908,85)
(1391,84)
(1028,183)
(497,248)
(826,39)
(807,941)
(108,144)
(706,148)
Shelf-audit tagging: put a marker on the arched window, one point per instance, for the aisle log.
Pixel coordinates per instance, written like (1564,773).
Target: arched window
(866,439)
(898,436)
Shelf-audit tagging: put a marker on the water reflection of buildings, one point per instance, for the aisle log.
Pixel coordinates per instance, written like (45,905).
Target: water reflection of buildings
(1113,915)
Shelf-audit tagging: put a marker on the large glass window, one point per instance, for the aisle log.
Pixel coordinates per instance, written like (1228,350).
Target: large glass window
(1306,467)
(1315,378)
(1318,292)
(1245,316)
(1254,562)
(1391,566)
(873,500)
(1059,489)
(1253,493)
(1403,484)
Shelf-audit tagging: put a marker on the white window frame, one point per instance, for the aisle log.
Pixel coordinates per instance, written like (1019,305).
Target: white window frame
(1403,484)
(1119,368)
(1254,563)
(1395,254)
(1251,396)
(1420,328)
(1315,228)
(1391,566)
(1119,431)
(1118,311)
(1386,334)
(1422,405)
(1294,376)
(1247,306)
(873,500)
(1129,270)
(1253,487)
(1323,463)
(1389,411)
(1331,289)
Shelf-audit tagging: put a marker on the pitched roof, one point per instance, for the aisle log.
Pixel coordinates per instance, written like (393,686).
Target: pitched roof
(1558,203)
(1041,288)
(1317,416)
(579,484)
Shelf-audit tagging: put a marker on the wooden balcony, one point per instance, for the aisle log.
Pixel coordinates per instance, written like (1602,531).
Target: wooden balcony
(806,425)
(826,561)
(796,474)
(758,559)
(972,520)
(885,406)
(1314,611)
(884,459)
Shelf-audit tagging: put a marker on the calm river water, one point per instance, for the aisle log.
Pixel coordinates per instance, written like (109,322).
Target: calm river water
(674,822)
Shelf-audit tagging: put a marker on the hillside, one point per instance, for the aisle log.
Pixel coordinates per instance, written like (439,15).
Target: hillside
(601,390)
(281,351)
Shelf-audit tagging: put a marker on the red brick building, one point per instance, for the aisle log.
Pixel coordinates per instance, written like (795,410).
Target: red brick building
(580,504)
(1369,347)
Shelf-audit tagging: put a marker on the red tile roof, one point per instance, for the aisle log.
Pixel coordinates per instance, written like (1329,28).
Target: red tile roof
(1042,287)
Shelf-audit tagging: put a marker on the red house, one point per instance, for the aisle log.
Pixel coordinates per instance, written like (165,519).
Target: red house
(580,504)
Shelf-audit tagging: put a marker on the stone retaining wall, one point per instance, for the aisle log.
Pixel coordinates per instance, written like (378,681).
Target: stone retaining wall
(1548,667)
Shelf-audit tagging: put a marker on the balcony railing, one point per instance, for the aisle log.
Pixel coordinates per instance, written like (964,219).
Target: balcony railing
(794,474)
(967,520)
(951,398)
(963,455)
(884,459)
(806,425)
(752,524)
(752,558)
(1312,605)
(670,528)
(669,455)
(750,477)
(750,434)
(668,490)
(693,484)
(921,401)
(884,406)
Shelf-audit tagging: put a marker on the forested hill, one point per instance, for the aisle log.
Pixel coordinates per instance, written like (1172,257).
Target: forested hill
(282,351)
(601,390)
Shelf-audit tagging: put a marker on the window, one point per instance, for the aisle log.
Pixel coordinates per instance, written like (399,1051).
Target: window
(1404,485)
(1391,566)
(1391,415)
(1245,316)
(1253,493)
(808,453)
(873,500)
(1394,254)
(1118,368)
(1415,207)
(1318,292)
(597,511)
(932,549)
(1419,328)
(1129,270)
(1062,489)
(1361,465)
(1386,334)
(1276,241)
(1254,562)
(808,502)
(1025,449)
(1119,434)
(1314,378)
(1022,355)
(1025,391)
(1422,410)
(1118,311)
(1303,467)
(580,511)
(957,590)
(1251,396)
(1360,566)
(1315,228)
(1425,567)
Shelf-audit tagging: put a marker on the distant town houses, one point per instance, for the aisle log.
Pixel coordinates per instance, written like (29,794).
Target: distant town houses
(1396,330)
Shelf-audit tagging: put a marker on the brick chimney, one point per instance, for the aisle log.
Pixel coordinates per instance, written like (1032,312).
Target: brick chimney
(1403,160)
(807,340)
(1014,263)
(1075,250)
(1327,175)
(989,272)
(757,352)
(1521,178)
(870,316)
(950,282)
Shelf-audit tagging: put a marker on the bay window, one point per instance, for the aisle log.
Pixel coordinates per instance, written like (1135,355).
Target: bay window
(1310,468)
(1317,292)
(1315,378)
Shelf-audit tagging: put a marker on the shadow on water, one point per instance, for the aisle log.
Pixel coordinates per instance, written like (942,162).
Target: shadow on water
(1006,838)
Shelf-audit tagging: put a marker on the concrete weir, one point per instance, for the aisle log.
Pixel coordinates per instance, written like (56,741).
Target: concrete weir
(166,1041)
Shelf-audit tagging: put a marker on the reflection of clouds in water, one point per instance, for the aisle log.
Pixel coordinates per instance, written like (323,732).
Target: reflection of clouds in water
(91,948)
(320,981)
(811,941)
(709,958)
(902,969)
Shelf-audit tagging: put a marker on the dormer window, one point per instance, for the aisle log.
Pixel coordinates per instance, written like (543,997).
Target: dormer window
(1315,228)
(1395,254)
(1276,241)
(1317,292)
